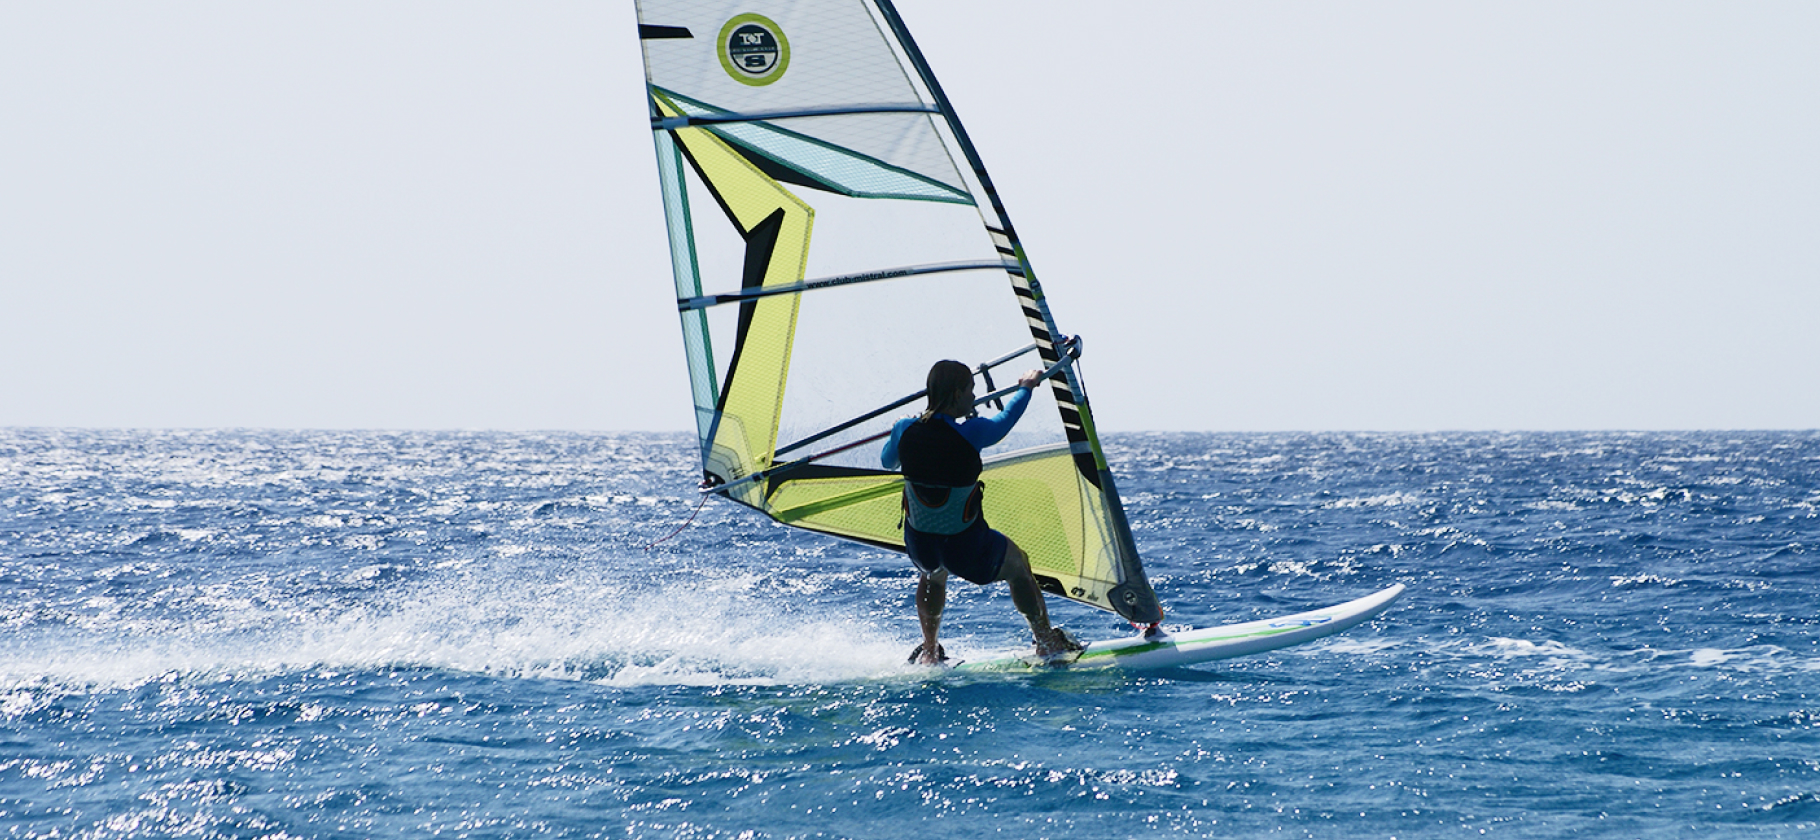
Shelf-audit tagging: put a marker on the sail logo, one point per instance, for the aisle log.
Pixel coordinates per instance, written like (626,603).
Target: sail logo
(753,50)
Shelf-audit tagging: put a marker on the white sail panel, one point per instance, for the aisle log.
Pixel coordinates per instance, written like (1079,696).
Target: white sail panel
(837,59)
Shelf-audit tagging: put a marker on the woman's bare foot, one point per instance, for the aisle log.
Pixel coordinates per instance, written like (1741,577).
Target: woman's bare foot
(921,657)
(1055,642)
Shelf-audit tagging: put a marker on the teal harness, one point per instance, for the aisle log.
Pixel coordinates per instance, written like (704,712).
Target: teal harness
(957,508)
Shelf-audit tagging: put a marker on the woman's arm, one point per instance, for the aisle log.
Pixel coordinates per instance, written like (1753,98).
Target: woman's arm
(888,457)
(986,431)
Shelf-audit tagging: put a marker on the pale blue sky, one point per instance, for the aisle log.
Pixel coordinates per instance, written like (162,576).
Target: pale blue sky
(1261,216)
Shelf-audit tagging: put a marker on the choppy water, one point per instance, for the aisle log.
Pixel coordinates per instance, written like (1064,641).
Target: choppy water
(272,634)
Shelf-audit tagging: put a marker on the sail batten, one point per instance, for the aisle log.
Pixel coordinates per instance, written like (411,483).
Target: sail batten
(704,301)
(724,117)
(817,131)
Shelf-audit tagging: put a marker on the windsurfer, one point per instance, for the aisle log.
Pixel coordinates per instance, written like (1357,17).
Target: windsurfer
(945,530)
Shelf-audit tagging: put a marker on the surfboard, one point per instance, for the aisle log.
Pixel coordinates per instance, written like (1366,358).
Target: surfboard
(1188,647)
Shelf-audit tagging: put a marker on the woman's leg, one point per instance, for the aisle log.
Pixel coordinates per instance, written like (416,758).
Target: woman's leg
(1027,596)
(931,597)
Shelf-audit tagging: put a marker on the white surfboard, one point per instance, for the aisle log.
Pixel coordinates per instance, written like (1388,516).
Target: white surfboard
(1168,650)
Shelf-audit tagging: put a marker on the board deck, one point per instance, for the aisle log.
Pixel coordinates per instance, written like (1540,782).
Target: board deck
(1188,647)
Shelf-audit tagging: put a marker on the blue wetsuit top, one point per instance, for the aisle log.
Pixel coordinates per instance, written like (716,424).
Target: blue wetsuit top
(979,431)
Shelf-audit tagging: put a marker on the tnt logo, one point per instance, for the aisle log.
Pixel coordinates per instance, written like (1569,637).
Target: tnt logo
(754,50)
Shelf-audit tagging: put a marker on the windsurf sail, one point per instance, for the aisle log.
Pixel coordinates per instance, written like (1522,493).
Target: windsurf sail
(832,234)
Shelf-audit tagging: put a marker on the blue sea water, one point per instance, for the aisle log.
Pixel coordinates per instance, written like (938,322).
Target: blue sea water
(362,634)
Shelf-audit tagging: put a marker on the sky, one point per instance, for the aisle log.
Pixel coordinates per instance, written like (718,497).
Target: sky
(1399,216)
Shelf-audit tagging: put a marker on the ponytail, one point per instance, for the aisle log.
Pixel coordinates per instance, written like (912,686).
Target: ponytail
(948,380)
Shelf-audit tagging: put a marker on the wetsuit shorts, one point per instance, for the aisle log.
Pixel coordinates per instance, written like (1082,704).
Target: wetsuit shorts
(975,554)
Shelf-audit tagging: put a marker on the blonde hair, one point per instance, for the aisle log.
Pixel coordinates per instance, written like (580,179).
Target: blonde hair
(948,380)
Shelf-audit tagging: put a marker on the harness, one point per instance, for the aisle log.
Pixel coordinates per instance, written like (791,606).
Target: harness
(942,490)
(936,509)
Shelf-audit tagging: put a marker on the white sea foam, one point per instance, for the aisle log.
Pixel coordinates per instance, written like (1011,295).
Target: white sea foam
(1507,648)
(1355,645)
(711,630)
(1551,660)
(1397,499)
(1755,659)
(1633,580)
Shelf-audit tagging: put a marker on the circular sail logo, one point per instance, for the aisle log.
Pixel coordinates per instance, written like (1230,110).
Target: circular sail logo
(753,50)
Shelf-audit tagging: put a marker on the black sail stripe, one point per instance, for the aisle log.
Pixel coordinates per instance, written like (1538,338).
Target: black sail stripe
(652,32)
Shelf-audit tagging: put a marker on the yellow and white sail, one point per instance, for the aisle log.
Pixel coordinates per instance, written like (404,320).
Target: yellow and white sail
(832,234)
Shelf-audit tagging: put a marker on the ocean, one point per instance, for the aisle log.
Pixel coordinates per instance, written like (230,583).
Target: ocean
(269,634)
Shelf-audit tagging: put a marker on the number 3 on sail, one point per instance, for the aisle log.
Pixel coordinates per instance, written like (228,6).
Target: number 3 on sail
(833,232)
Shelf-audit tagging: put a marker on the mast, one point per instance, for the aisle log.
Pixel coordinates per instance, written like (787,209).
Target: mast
(1133,598)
